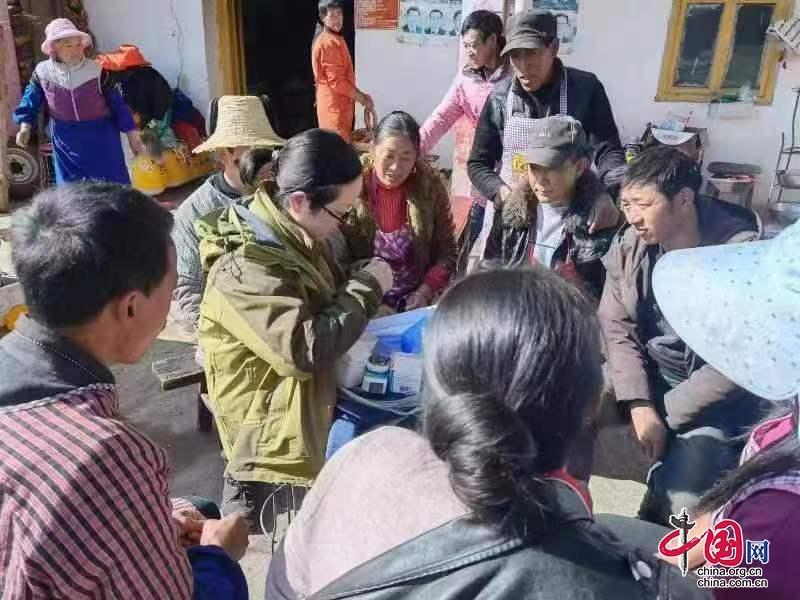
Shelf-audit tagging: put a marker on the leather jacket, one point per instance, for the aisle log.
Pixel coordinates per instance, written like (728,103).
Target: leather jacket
(463,559)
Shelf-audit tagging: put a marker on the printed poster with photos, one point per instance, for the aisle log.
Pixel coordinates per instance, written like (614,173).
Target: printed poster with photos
(430,22)
(566,12)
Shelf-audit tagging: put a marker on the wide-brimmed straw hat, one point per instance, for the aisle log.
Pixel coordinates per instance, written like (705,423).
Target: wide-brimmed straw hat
(738,307)
(61,29)
(241,121)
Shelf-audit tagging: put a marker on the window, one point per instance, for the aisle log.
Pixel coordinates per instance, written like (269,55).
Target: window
(714,47)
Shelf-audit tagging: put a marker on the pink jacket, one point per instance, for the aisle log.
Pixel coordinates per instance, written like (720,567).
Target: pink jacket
(466,97)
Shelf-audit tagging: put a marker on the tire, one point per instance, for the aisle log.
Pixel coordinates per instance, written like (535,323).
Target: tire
(24,171)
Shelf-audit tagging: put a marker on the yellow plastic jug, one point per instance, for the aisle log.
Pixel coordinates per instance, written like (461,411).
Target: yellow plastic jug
(148,176)
(176,164)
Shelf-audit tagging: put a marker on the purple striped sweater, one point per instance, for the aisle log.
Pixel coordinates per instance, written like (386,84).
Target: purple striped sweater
(85,510)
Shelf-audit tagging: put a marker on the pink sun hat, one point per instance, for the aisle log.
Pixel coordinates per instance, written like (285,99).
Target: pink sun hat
(61,29)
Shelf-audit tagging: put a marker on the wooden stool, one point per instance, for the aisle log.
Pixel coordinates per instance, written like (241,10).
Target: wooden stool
(182,370)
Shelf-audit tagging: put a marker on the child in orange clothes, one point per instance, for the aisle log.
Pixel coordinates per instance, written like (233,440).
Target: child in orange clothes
(337,93)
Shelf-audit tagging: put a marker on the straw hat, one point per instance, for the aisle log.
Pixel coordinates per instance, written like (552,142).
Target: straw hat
(61,29)
(241,121)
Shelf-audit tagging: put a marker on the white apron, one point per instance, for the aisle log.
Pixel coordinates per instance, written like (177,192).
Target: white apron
(516,133)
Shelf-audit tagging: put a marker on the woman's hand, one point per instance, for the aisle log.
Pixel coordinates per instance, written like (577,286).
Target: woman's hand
(384,310)
(382,272)
(24,135)
(604,215)
(135,141)
(420,298)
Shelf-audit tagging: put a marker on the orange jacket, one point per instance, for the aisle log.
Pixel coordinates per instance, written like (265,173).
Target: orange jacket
(336,83)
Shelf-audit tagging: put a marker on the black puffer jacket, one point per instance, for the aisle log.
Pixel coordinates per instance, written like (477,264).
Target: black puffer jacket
(464,560)
(511,231)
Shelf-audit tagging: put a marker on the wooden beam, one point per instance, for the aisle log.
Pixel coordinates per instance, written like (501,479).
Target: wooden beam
(4,204)
(231,49)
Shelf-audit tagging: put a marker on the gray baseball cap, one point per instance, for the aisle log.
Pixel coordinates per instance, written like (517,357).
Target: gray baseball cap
(530,30)
(553,139)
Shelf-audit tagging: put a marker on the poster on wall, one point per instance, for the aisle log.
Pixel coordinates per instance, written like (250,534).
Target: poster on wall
(429,22)
(566,12)
(376,14)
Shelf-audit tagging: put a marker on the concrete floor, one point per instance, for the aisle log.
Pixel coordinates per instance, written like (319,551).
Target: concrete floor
(196,462)
(197,466)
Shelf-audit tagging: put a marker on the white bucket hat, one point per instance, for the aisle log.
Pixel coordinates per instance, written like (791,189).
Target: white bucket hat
(241,121)
(738,307)
(61,29)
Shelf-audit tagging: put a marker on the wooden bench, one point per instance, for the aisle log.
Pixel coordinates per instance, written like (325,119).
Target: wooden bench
(182,370)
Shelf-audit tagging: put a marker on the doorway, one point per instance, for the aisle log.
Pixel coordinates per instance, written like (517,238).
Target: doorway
(271,45)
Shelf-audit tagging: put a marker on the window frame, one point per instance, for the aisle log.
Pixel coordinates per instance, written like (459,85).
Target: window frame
(763,95)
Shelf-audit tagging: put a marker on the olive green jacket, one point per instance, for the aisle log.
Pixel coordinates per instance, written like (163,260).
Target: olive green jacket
(276,315)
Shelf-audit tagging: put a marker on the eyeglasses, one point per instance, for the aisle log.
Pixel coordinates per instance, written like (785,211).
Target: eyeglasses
(341,218)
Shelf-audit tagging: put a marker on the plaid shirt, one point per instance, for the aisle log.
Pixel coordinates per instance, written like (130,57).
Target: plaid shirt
(85,510)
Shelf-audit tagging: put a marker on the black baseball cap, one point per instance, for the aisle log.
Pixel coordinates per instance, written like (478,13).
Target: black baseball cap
(530,30)
(552,140)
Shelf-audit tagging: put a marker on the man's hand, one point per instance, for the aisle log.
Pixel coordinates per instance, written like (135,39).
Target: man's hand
(230,534)
(502,196)
(649,430)
(24,135)
(190,526)
(604,215)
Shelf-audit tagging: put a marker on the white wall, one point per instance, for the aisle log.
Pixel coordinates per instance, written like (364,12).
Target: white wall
(405,77)
(150,25)
(629,65)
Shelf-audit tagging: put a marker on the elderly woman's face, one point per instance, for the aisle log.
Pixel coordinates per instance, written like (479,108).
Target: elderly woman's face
(395,158)
(69,50)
